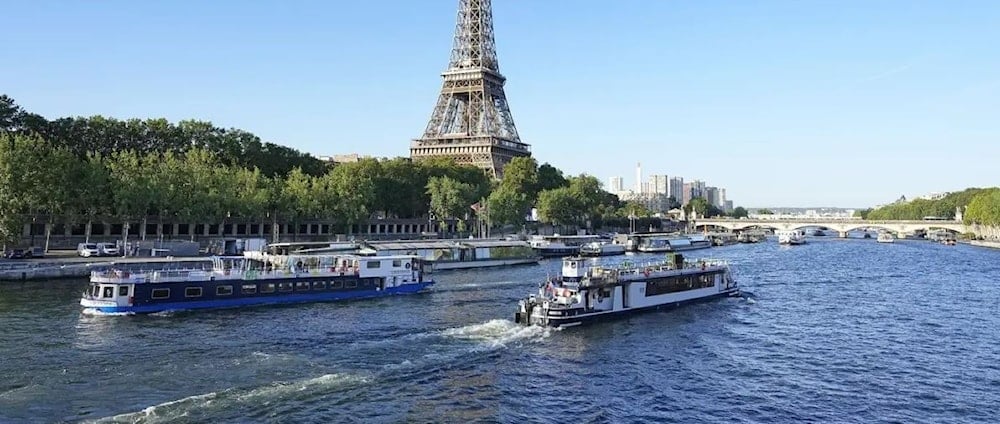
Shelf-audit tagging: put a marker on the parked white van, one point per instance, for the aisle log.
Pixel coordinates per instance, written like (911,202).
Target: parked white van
(88,249)
(108,249)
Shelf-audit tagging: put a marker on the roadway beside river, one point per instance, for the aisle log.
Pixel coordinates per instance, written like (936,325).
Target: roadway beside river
(67,264)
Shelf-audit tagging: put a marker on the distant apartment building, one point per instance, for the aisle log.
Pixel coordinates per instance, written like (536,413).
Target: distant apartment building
(687,193)
(728,207)
(712,196)
(675,188)
(615,185)
(347,158)
(658,184)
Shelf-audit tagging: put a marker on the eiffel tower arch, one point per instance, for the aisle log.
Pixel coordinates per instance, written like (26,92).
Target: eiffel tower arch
(471,122)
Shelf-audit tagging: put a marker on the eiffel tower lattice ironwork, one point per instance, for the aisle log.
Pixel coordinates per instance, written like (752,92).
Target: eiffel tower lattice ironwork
(471,122)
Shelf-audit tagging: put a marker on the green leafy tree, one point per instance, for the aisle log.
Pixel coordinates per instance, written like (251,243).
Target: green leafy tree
(764,212)
(550,177)
(739,212)
(506,206)
(449,198)
(984,208)
(560,206)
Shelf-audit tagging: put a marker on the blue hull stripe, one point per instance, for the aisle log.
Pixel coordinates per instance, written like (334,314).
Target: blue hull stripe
(266,300)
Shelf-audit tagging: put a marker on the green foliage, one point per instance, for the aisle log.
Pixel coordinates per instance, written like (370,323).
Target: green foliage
(984,208)
(550,177)
(507,206)
(920,208)
(739,212)
(559,206)
(450,198)
(863,213)
(764,212)
(702,208)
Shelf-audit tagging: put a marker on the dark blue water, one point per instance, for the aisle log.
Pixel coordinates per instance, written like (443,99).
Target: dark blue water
(838,331)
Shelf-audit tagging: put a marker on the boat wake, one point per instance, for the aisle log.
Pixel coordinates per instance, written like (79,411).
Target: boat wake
(232,398)
(462,341)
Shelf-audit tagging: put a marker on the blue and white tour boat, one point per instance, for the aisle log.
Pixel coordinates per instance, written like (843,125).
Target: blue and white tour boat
(590,293)
(256,278)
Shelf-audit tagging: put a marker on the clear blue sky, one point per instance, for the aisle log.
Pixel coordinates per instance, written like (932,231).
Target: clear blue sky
(784,103)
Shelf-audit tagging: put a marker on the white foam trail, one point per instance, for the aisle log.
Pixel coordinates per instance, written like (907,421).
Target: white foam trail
(497,332)
(172,410)
(164,412)
(97,313)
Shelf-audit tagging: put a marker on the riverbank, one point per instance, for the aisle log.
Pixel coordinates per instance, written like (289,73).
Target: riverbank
(984,243)
(58,265)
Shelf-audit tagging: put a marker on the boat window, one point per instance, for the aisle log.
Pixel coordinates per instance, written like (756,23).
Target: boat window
(109,292)
(224,290)
(161,293)
(192,292)
(319,285)
(352,284)
(285,287)
(373,264)
(95,290)
(123,290)
(396,263)
(267,288)
(249,289)
(302,286)
(337,285)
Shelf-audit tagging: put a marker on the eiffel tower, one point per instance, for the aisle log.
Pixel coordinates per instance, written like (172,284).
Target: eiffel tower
(471,122)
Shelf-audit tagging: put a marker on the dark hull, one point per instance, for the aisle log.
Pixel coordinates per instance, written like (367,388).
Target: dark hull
(299,290)
(559,252)
(568,321)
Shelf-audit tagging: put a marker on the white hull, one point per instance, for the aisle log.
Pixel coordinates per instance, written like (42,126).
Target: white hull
(586,293)
(794,237)
(486,263)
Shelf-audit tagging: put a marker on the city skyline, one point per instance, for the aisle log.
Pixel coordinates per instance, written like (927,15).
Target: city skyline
(849,104)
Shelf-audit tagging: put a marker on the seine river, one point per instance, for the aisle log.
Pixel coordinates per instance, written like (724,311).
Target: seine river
(835,331)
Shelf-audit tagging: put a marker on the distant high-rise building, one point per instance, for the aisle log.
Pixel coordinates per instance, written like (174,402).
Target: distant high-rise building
(676,188)
(638,177)
(687,193)
(658,184)
(722,198)
(712,196)
(615,185)
(729,206)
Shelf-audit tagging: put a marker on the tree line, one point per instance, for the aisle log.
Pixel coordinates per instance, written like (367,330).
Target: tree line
(944,207)
(76,171)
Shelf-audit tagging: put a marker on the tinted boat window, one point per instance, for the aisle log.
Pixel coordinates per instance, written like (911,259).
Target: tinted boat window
(161,293)
(109,292)
(249,289)
(192,292)
(267,288)
(123,291)
(302,286)
(319,285)
(373,264)
(223,290)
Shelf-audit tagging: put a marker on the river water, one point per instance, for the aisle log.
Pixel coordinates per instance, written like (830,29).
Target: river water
(836,331)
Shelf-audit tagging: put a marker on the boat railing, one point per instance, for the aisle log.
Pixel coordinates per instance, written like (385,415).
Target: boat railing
(138,275)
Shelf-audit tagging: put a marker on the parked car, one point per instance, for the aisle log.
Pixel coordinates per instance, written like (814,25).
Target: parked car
(88,249)
(108,249)
(18,254)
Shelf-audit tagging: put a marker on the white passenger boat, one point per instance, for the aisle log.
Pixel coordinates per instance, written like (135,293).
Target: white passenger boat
(601,248)
(661,244)
(257,278)
(586,293)
(442,255)
(885,237)
(791,237)
(560,246)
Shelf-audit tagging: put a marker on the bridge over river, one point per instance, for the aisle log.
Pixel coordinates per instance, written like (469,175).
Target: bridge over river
(901,228)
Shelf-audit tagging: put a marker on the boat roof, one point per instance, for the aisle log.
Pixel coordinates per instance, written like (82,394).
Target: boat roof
(494,243)
(415,244)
